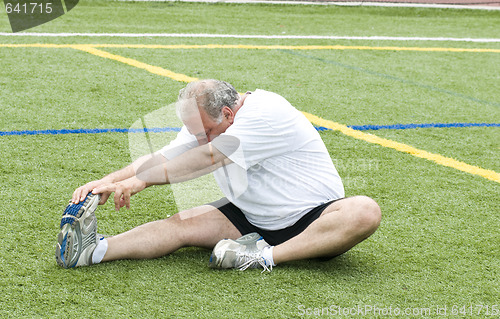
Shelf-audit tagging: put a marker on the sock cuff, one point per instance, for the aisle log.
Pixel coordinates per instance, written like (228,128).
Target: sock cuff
(267,253)
(100,251)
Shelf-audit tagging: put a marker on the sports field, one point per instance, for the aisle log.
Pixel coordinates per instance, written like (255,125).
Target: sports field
(407,101)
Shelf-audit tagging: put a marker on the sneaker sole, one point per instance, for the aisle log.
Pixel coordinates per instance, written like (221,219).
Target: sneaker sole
(77,220)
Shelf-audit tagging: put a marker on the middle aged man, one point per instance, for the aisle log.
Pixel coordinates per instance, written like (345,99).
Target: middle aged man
(281,189)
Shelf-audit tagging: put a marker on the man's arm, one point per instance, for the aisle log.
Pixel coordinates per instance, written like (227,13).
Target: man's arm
(157,170)
(194,163)
(129,171)
(122,174)
(189,165)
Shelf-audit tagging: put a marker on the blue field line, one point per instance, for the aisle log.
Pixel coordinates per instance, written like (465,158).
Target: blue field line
(177,129)
(423,125)
(90,131)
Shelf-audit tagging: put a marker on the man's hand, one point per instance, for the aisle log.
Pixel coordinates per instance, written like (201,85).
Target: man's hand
(123,191)
(81,192)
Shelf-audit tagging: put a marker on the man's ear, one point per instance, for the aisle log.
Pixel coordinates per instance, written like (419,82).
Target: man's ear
(227,113)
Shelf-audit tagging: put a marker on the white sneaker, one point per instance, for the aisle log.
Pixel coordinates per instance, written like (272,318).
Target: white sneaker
(78,238)
(242,253)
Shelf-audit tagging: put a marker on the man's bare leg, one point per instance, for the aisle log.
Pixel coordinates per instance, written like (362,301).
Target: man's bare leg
(202,226)
(340,227)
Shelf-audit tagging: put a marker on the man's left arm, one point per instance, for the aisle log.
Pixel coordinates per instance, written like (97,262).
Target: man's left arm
(194,163)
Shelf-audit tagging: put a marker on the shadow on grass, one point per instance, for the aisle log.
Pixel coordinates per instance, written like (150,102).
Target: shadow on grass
(195,260)
(350,264)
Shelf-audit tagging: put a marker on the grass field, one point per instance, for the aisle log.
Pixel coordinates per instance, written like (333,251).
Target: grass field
(437,246)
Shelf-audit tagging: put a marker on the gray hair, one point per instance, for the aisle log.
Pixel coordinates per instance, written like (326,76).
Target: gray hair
(211,95)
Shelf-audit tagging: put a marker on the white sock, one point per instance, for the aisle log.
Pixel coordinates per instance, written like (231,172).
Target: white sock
(100,251)
(267,253)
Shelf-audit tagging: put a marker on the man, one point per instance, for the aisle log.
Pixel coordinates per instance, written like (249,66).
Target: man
(282,190)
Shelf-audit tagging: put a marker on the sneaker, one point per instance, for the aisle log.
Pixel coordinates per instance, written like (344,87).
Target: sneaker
(242,253)
(78,236)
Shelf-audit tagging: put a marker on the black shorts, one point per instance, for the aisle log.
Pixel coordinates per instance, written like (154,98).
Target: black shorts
(272,237)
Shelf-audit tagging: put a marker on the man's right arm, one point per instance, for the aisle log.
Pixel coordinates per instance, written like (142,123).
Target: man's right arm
(183,142)
(122,174)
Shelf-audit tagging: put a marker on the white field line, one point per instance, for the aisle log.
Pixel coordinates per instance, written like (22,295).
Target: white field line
(243,36)
(347,4)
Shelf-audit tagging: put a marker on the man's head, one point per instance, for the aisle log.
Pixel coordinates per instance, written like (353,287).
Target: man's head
(207,108)
(212,96)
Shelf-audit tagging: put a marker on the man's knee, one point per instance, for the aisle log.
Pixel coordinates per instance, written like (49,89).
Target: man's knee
(367,214)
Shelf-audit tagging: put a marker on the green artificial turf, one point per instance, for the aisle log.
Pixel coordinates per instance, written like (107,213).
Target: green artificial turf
(173,17)
(436,251)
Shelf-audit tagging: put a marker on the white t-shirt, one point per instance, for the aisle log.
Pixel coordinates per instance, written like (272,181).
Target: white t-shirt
(281,169)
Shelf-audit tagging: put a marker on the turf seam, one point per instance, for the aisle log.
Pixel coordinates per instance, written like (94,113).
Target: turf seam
(392,78)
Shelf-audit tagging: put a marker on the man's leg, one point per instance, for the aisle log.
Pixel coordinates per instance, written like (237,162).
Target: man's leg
(202,226)
(340,227)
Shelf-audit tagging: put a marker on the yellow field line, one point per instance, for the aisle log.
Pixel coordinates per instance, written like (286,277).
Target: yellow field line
(150,68)
(445,161)
(254,47)
(439,159)
(34,45)
(294,47)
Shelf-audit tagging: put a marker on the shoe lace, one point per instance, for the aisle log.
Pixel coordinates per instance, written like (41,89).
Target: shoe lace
(253,260)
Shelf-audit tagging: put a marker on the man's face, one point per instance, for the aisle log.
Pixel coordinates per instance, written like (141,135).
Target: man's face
(201,125)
